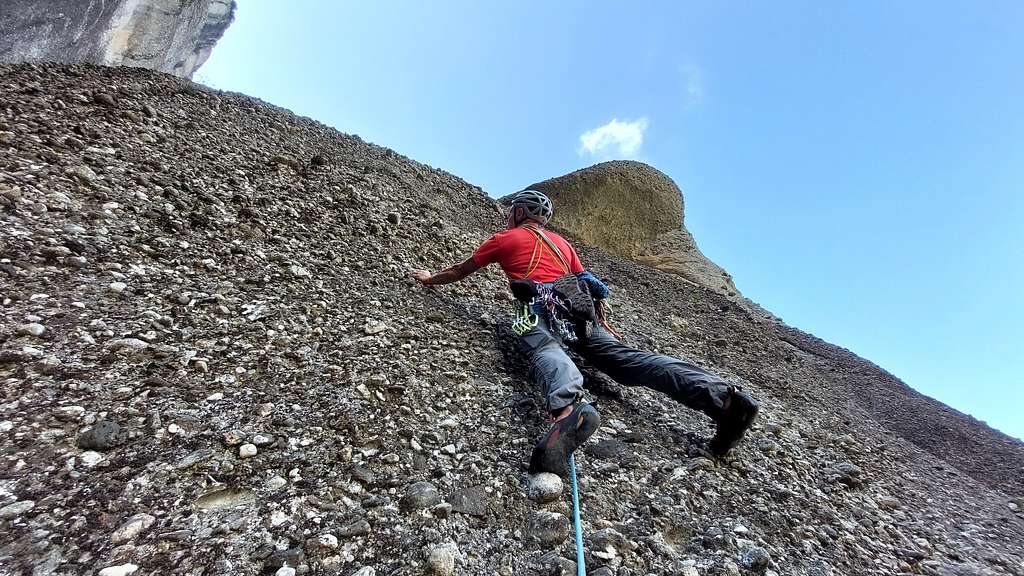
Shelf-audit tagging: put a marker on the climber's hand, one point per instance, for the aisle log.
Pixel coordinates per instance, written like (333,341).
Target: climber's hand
(421,276)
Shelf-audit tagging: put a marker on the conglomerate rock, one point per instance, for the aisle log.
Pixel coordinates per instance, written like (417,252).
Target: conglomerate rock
(633,210)
(213,273)
(173,36)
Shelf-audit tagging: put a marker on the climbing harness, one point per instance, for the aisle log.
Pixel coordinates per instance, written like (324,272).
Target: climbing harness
(581,569)
(559,311)
(526,320)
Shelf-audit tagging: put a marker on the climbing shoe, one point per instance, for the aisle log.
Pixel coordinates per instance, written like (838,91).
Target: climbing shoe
(738,414)
(552,452)
(576,296)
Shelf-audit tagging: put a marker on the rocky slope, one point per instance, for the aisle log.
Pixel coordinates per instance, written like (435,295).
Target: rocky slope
(174,36)
(212,363)
(633,210)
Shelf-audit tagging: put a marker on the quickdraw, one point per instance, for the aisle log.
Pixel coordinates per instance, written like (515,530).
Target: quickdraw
(524,321)
(558,312)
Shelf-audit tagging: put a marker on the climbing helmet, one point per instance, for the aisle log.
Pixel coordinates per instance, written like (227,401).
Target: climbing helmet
(535,205)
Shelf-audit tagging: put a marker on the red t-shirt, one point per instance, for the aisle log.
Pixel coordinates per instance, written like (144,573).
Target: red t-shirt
(522,254)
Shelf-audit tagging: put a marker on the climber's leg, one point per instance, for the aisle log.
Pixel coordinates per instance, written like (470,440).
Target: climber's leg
(732,409)
(562,384)
(688,384)
(551,368)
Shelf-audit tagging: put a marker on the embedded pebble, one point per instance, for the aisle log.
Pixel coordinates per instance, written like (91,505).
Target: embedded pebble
(16,509)
(441,560)
(549,528)
(31,329)
(234,437)
(121,570)
(90,458)
(544,487)
(132,528)
(420,495)
(103,435)
(755,558)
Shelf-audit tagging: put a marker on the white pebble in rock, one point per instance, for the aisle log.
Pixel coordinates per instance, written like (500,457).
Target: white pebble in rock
(544,487)
(374,327)
(262,439)
(16,509)
(131,344)
(328,541)
(277,518)
(118,287)
(31,329)
(122,570)
(285,570)
(69,413)
(887,502)
(90,458)
(246,451)
(132,528)
(276,483)
(441,560)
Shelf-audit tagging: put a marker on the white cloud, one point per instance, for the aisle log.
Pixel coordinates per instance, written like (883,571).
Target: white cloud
(694,79)
(616,139)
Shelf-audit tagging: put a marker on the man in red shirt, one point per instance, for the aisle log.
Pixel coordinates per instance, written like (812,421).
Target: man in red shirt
(563,303)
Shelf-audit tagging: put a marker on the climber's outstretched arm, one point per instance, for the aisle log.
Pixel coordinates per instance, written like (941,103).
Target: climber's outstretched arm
(448,275)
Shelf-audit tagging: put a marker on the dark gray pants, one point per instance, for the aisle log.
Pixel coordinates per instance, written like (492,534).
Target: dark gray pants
(550,366)
(685,383)
(561,381)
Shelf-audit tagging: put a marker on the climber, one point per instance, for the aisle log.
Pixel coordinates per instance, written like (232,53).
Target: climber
(562,303)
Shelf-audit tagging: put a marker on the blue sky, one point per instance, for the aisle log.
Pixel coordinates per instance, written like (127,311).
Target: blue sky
(857,167)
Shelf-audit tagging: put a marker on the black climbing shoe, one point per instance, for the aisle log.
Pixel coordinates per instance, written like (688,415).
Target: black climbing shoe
(574,292)
(552,452)
(737,415)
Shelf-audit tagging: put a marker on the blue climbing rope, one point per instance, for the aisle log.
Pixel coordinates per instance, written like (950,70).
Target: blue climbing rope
(581,569)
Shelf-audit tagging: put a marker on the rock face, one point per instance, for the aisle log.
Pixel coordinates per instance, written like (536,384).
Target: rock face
(174,36)
(633,210)
(266,303)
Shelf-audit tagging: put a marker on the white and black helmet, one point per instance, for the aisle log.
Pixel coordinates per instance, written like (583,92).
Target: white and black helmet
(535,204)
